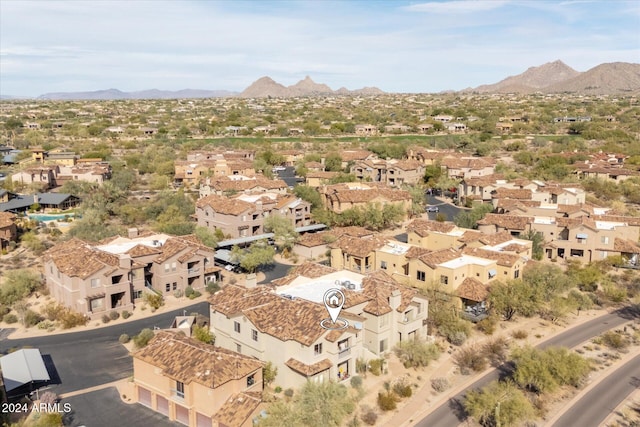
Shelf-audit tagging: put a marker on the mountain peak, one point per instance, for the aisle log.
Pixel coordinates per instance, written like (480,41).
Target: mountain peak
(265,86)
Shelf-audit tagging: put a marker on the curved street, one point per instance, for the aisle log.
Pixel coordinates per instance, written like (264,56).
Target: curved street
(451,413)
(594,407)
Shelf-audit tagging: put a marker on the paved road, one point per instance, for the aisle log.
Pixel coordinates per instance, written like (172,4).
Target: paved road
(451,413)
(603,399)
(451,211)
(80,360)
(103,408)
(275,271)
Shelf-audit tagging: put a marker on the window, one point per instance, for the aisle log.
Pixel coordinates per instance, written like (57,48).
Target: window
(167,267)
(421,275)
(180,389)
(173,266)
(137,294)
(254,335)
(384,320)
(97,304)
(604,239)
(175,285)
(95,283)
(251,380)
(167,287)
(383,346)
(236,327)
(238,348)
(317,349)
(383,265)
(444,280)
(516,274)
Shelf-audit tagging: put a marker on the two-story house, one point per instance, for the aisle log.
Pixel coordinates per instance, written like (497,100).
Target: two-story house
(197,384)
(340,197)
(113,275)
(8,229)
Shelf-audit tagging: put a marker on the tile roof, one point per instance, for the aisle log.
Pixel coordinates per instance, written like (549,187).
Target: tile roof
(77,258)
(378,287)
(7,219)
(297,320)
(501,258)
(625,246)
(496,238)
(224,205)
(472,289)
(467,162)
(422,227)
(512,222)
(358,246)
(233,299)
(226,184)
(325,237)
(308,370)
(235,411)
(188,360)
(368,195)
(433,259)
(416,252)
(349,155)
(509,193)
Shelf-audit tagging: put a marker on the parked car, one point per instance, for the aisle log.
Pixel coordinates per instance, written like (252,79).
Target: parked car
(433,209)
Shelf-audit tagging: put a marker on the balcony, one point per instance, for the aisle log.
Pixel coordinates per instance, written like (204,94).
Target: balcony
(344,353)
(193,270)
(177,396)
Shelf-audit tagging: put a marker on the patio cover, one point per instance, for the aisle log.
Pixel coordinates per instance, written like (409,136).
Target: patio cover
(23,367)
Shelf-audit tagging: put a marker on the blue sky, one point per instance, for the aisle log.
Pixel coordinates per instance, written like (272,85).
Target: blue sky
(398,46)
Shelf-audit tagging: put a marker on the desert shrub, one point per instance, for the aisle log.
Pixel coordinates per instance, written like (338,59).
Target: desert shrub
(114,315)
(178,293)
(106,318)
(269,373)
(10,318)
(387,401)
(470,358)
(46,324)
(70,319)
(369,416)
(496,350)
(457,338)
(126,314)
(278,389)
(143,338)
(31,318)
(124,338)
(195,294)
(361,365)
(440,384)
(614,340)
(488,325)
(375,366)
(53,311)
(519,334)
(154,300)
(402,389)
(48,397)
(356,381)
(288,392)
(212,287)
(188,291)
(415,353)
(4,310)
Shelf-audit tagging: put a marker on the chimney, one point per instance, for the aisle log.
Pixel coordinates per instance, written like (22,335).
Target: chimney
(35,198)
(132,232)
(395,299)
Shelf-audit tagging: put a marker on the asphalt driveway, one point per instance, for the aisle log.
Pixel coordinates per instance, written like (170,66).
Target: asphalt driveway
(104,408)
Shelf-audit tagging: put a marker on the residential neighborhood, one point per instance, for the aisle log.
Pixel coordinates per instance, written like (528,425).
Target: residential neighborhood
(169,259)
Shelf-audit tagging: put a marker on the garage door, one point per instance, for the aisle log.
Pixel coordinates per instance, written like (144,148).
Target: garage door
(202,420)
(162,405)
(182,415)
(144,396)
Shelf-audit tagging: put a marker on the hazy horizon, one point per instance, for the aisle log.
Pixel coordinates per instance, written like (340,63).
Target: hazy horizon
(401,47)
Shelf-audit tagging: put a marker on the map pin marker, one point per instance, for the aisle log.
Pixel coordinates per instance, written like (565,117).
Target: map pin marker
(333,301)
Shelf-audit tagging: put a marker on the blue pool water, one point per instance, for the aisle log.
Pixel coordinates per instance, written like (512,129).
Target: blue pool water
(45,217)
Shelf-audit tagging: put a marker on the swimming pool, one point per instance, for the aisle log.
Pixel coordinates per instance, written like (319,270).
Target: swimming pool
(49,217)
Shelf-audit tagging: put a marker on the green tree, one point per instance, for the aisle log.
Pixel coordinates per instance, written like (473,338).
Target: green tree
(469,219)
(324,404)
(203,334)
(206,237)
(269,373)
(308,194)
(498,404)
(18,284)
(258,254)
(543,371)
(284,232)
(416,353)
(511,297)
(333,162)
(537,240)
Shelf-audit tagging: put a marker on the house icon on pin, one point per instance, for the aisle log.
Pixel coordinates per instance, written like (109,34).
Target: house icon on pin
(334,300)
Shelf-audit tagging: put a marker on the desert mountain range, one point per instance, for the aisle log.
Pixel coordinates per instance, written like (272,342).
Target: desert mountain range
(557,77)
(553,77)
